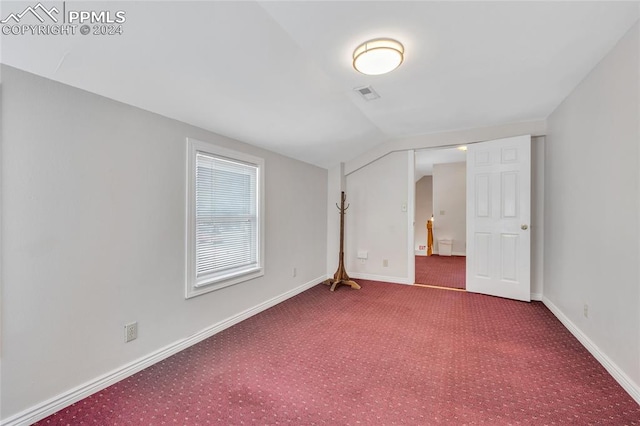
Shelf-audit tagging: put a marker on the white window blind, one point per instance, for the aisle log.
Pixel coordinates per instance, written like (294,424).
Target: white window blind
(226,219)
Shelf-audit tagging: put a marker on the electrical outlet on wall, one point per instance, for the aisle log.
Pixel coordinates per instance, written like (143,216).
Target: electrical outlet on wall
(586,310)
(385,263)
(295,271)
(130,332)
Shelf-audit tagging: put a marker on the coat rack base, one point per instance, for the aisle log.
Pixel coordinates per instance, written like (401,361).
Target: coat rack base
(341,278)
(335,283)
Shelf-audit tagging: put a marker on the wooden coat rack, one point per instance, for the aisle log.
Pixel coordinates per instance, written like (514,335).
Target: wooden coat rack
(430,236)
(341,277)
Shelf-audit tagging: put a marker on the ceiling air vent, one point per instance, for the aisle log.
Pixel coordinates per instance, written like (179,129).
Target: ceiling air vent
(367,93)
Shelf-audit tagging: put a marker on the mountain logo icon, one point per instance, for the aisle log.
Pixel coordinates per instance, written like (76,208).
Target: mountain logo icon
(38,11)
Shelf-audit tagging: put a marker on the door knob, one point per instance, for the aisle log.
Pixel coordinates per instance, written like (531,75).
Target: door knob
(524,227)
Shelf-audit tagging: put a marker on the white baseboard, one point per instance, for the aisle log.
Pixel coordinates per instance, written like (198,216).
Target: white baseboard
(453,253)
(42,410)
(536,296)
(395,280)
(616,372)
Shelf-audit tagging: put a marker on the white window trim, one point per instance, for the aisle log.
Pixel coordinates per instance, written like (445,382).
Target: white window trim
(193,287)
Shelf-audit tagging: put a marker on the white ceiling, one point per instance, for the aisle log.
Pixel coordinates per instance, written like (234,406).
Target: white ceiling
(278,74)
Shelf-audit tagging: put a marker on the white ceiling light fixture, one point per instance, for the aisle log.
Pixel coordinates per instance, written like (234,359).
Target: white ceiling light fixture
(378,56)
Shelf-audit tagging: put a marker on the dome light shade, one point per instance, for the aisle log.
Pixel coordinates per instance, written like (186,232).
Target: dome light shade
(379,56)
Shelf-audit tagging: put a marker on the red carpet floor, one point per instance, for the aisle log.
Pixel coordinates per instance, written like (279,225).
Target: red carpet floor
(441,271)
(384,355)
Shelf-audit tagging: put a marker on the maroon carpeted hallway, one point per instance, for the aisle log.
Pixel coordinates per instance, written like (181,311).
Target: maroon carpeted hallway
(387,354)
(441,271)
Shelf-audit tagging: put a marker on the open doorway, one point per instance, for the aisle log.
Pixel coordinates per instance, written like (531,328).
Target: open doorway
(440,210)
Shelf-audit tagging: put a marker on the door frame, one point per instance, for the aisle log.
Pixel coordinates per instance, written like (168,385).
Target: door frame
(411,216)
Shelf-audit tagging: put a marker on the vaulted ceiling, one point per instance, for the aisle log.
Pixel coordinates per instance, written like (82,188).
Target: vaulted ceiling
(278,74)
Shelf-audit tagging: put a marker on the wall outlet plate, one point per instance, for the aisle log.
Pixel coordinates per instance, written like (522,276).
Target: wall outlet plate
(130,332)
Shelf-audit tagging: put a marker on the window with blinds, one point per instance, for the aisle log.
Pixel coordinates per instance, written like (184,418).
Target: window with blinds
(225,218)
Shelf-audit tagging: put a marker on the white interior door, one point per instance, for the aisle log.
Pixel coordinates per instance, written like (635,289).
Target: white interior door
(498,215)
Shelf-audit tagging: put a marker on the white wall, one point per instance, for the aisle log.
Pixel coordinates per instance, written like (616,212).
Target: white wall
(591,209)
(375,221)
(93,237)
(424,210)
(450,205)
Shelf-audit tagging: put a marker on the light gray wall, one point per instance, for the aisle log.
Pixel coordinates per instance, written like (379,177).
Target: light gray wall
(450,197)
(93,236)
(375,221)
(424,210)
(591,207)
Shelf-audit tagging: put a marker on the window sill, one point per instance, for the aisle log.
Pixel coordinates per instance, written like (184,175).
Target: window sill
(218,283)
